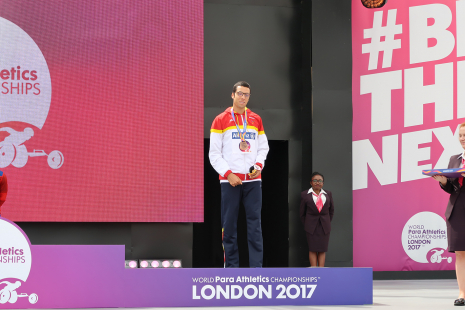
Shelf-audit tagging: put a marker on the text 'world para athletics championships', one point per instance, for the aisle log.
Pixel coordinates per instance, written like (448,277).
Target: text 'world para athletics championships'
(24,86)
(252,291)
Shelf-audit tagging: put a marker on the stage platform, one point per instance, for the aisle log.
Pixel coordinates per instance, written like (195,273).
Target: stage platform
(387,295)
(94,276)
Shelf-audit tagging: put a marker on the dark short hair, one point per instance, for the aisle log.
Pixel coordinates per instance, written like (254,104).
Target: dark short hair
(316,173)
(241,83)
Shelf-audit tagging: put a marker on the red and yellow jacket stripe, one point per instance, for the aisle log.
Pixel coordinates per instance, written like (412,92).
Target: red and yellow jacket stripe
(225,154)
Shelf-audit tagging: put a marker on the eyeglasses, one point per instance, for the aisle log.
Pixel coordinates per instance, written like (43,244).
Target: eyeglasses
(240,94)
(317,181)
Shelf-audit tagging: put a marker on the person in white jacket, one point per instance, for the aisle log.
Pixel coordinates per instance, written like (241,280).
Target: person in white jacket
(238,149)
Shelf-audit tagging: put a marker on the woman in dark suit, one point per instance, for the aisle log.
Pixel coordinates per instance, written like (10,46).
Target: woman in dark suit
(316,213)
(455,216)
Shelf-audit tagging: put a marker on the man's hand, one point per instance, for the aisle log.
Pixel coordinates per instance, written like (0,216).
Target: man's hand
(255,174)
(234,180)
(441,179)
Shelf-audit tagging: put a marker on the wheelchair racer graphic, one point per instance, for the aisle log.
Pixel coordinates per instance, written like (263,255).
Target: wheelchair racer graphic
(21,106)
(8,293)
(13,151)
(15,265)
(435,256)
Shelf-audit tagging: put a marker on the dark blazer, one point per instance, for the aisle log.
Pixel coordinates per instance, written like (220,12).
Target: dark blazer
(310,216)
(452,186)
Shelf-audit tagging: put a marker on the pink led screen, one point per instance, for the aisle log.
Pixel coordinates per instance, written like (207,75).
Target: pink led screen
(101,110)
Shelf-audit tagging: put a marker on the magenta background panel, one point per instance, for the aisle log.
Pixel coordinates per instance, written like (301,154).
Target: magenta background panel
(126,112)
(406,128)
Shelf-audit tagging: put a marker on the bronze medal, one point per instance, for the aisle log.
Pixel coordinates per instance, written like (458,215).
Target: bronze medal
(243,145)
(373,3)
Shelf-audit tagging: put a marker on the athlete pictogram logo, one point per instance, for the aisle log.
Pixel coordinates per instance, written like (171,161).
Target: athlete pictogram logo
(13,151)
(435,256)
(25,96)
(9,294)
(15,262)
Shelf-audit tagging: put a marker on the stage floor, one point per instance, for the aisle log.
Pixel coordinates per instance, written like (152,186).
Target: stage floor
(390,294)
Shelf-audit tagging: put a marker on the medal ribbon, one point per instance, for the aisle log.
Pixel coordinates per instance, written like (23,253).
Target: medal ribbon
(244,122)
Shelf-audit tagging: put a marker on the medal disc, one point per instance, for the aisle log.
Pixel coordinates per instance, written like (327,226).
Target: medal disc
(244,146)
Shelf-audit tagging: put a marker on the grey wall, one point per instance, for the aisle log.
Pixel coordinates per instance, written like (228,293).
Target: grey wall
(261,45)
(332,117)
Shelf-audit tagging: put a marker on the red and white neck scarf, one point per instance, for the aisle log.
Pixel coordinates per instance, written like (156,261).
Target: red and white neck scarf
(319,201)
(318,197)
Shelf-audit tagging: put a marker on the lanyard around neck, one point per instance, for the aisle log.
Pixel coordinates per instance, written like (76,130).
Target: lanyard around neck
(244,122)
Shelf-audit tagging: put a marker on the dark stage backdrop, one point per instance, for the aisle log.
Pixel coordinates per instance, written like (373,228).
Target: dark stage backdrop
(262,43)
(275,56)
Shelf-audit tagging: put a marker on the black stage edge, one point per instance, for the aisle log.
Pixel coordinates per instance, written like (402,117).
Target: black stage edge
(414,275)
(141,240)
(332,118)
(300,169)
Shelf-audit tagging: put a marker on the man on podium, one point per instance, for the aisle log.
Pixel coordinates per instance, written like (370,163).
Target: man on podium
(238,149)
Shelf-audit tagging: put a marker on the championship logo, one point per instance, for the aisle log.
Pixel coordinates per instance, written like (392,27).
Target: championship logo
(15,263)
(25,96)
(424,238)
